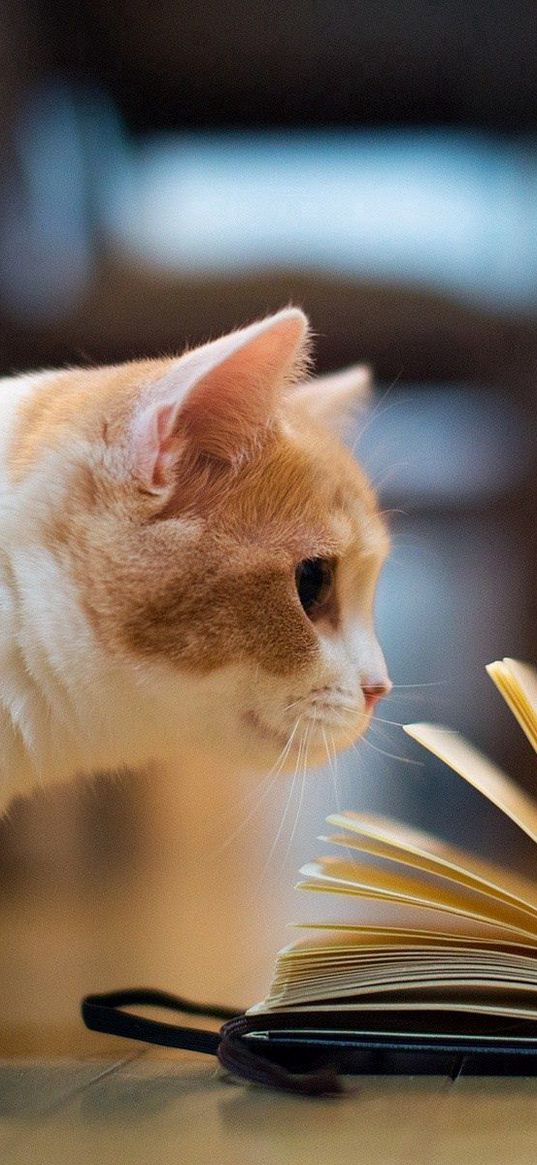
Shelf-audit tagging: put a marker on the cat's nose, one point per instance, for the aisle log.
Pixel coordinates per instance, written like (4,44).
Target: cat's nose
(373,692)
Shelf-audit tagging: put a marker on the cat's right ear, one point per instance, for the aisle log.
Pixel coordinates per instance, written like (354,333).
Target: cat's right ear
(333,399)
(218,399)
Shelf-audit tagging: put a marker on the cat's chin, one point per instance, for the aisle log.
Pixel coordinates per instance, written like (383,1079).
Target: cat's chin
(263,730)
(316,738)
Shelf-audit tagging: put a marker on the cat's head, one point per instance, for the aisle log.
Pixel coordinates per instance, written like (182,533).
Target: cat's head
(221,537)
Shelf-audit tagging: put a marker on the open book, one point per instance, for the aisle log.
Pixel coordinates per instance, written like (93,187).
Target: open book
(436,974)
(454,949)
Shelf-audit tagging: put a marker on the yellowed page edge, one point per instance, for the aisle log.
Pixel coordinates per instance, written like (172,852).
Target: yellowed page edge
(442,860)
(478,771)
(517,683)
(364,882)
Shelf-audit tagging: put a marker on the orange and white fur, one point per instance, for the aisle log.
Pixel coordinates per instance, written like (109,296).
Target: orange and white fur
(188,560)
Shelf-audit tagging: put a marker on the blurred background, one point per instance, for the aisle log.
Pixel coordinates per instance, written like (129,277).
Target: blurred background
(168,172)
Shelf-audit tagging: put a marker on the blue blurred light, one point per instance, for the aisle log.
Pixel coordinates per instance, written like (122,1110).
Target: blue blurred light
(450,210)
(68,143)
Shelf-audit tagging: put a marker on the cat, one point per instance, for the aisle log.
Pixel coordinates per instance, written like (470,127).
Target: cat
(188,563)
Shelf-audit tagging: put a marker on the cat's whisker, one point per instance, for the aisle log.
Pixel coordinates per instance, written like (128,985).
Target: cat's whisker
(332,767)
(335,772)
(334,709)
(379,728)
(351,854)
(293,705)
(336,762)
(326,748)
(342,718)
(412,699)
(302,789)
(378,411)
(286,809)
(393,510)
(273,772)
(269,782)
(381,479)
(375,721)
(270,777)
(391,755)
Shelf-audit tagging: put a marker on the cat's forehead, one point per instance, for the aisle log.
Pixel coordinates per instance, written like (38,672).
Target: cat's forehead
(307,492)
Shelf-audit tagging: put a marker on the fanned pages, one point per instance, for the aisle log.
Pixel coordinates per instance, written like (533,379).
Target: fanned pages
(456,936)
(517,683)
(480,772)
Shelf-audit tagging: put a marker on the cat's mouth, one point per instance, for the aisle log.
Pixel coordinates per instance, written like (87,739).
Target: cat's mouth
(312,720)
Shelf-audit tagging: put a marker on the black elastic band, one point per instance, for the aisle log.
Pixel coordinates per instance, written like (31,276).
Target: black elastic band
(103,1013)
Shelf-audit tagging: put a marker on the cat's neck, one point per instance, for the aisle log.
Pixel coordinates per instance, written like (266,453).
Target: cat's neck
(58,716)
(65,706)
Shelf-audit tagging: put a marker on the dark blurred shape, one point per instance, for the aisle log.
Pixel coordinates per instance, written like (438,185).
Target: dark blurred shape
(310,62)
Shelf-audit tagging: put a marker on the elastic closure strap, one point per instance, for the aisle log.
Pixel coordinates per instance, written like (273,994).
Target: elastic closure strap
(104,1013)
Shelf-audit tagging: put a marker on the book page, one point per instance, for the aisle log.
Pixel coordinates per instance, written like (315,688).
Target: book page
(324,937)
(364,880)
(496,1008)
(517,683)
(477,770)
(467,971)
(387,838)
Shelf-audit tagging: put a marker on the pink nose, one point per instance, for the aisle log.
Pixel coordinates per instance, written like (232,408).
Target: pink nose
(374,692)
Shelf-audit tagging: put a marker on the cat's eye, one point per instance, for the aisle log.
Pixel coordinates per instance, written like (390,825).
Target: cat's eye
(314,578)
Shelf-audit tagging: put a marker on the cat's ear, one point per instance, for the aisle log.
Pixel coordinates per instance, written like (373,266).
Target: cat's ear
(219,397)
(333,399)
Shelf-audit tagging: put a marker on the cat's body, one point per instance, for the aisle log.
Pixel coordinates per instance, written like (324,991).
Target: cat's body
(188,560)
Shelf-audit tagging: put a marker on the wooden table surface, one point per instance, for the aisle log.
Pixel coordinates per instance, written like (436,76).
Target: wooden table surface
(115,1102)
